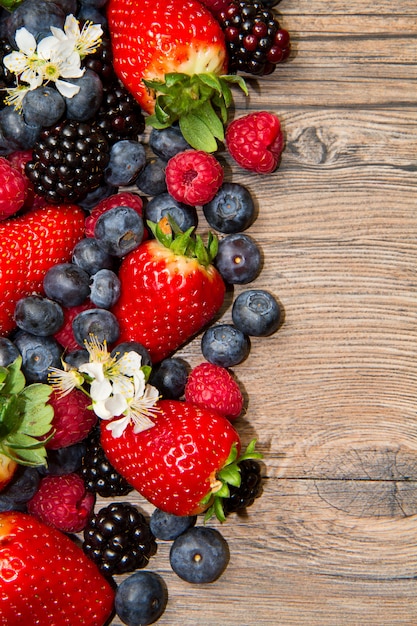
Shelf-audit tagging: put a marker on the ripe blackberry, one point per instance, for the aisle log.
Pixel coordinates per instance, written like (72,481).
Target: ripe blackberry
(255,41)
(68,161)
(101,61)
(118,539)
(98,473)
(7,79)
(250,488)
(120,116)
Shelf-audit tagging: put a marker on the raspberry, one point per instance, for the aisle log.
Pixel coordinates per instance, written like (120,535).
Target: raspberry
(124,198)
(62,502)
(213,387)
(255,141)
(13,189)
(193,177)
(72,419)
(65,335)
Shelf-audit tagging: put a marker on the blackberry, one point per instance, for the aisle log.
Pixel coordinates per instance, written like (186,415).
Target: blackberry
(250,488)
(98,473)
(118,539)
(68,161)
(101,61)
(254,39)
(7,78)
(119,116)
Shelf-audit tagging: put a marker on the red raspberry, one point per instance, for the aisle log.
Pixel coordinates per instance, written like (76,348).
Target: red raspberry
(72,419)
(193,177)
(213,387)
(124,198)
(13,189)
(18,160)
(62,502)
(65,336)
(255,141)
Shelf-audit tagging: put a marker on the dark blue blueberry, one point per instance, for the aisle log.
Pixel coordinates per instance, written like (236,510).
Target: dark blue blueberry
(167,142)
(68,6)
(91,14)
(98,4)
(77,357)
(15,134)
(200,555)
(238,259)
(164,205)
(100,323)
(38,355)
(127,160)
(38,315)
(67,283)
(43,106)
(105,288)
(256,312)
(84,105)
(231,210)
(167,526)
(151,180)
(21,489)
(94,197)
(170,377)
(37,16)
(132,346)
(88,255)
(141,598)
(8,352)
(65,460)
(225,345)
(119,231)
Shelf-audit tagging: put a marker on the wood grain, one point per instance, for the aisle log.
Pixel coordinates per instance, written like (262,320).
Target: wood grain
(331,396)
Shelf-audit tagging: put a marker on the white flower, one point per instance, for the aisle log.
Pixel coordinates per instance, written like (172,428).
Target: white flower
(64,381)
(139,410)
(15,96)
(84,42)
(25,62)
(60,60)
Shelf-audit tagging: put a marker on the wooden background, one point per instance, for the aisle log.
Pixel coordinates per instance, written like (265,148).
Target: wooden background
(332,395)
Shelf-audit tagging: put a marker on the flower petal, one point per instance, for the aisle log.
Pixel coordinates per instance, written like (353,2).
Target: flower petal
(25,41)
(100,390)
(93,369)
(117,427)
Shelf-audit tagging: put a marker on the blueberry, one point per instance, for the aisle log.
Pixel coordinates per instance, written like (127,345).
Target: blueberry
(67,283)
(231,210)
(38,355)
(256,312)
(37,16)
(66,460)
(100,323)
(127,160)
(105,288)
(38,315)
(119,231)
(238,259)
(167,526)
(91,199)
(164,205)
(88,255)
(77,357)
(141,598)
(15,133)
(22,487)
(200,555)
(8,352)
(85,104)
(151,180)
(93,15)
(43,106)
(225,345)
(132,346)
(170,377)
(167,142)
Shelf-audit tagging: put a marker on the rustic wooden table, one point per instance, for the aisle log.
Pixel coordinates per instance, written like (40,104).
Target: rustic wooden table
(332,395)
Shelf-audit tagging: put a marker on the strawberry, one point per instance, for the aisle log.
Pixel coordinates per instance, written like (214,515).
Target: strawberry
(171,55)
(213,387)
(169,291)
(29,245)
(255,141)
(45,578)
(175,463)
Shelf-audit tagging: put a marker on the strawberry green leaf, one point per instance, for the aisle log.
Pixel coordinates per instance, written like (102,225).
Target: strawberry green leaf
(15,380)
(211,120)
(196,132)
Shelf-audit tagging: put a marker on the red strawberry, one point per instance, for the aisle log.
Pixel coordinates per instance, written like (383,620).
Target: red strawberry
(193,177)
(255,141)
(175,463)
(63,502)
(72,419)
(13,189)
(123,198)
(213,387)
(29,245)
(169,291)
(175,50)
(65,335)
(45,578)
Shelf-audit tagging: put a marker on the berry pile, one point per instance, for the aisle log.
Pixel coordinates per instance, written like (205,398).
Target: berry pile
(104,276)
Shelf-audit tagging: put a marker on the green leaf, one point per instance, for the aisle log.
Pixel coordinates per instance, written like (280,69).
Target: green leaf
(231,475)
(15,380)
(201,252)
(32,457)
(197,133)
(211,80)
(21,441)
(237,80)
(210,118)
